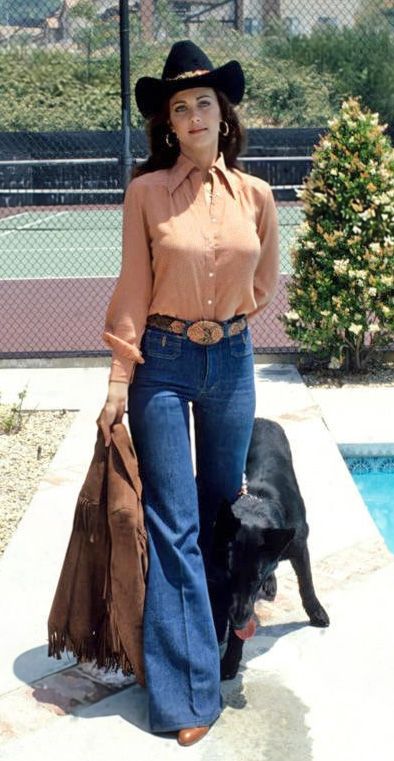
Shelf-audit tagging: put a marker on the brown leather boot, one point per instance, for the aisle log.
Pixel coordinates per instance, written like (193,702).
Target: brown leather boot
(192,735)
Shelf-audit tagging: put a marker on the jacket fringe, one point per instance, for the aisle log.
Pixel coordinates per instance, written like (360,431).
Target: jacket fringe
(90,649)
(86,517)
(59,641)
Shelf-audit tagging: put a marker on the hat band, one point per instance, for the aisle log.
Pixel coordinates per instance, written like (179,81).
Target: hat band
(187,75)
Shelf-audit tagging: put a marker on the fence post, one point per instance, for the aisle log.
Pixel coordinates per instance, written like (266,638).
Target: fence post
(239,15)
(124,38)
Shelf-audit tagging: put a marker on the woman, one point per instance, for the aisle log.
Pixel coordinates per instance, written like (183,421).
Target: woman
(200,256)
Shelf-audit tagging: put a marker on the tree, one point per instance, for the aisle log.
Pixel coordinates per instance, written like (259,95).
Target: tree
(342,293)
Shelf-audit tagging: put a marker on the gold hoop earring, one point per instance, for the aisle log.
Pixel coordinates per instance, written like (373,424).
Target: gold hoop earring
(168,141)
(226,128)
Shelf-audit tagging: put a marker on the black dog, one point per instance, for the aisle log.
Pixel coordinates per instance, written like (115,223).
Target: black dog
(252,535)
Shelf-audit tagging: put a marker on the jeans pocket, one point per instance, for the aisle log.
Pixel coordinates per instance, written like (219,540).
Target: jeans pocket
(241,345)
(162,345)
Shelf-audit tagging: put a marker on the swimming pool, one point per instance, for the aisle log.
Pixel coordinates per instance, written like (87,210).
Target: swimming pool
(374,476)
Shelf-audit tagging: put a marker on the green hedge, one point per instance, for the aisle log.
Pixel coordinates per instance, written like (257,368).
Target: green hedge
(359,61)
(290,81)
(42,90)
(60,90)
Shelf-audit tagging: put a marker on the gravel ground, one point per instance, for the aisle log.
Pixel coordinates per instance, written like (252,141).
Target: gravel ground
(378,377)
(25,456)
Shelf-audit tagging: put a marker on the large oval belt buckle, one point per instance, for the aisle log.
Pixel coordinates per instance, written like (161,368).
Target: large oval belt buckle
(205,332)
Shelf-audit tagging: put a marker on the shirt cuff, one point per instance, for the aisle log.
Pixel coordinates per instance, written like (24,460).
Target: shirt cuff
(124,357)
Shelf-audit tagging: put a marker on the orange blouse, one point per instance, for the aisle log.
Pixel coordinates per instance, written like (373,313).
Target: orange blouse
(184,257)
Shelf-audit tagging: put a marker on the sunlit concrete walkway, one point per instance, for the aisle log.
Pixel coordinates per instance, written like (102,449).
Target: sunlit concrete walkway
(302,693)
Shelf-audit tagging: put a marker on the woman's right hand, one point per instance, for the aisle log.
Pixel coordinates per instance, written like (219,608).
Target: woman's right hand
(113,410)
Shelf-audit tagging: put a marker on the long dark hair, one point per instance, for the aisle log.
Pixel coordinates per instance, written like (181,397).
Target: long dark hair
(164,157)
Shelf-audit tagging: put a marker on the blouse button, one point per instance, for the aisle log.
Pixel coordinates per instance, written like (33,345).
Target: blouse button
(210,274)
(209,301)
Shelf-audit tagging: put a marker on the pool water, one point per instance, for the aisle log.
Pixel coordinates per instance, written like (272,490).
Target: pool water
(374,477)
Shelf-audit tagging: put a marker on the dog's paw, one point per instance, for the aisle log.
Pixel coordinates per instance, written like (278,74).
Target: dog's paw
(268,589)
(318,616)
(231,660)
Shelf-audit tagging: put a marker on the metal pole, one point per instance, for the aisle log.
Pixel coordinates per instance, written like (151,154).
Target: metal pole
(239,15)
(124,39)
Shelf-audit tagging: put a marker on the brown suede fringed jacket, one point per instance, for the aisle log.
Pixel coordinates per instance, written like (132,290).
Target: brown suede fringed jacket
(98,604)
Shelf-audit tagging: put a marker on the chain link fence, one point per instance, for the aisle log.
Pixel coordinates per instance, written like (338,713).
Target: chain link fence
(65,146)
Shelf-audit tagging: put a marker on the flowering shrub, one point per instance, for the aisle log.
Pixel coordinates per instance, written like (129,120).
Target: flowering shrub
(341,295)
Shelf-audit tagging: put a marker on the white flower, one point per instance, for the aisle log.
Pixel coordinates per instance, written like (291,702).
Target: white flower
(356,329)
(372,291)
(356,229)
(334,363)
(293,316)
(374,328)
(303,228)
(340,266)
(382,198)
(367,214)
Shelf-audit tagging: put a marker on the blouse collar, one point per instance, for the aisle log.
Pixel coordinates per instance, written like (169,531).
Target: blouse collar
(184,165)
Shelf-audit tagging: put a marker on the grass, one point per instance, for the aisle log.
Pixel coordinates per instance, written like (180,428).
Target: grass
(11,415)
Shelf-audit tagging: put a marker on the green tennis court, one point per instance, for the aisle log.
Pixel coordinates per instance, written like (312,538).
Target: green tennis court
(80,243)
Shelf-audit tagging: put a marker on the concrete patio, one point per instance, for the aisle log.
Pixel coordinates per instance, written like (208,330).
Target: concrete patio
(302,694)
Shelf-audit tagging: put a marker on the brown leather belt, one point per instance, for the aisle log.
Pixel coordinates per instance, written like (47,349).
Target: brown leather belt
(202,331)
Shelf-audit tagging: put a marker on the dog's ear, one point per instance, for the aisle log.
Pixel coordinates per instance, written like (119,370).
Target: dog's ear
(275,541)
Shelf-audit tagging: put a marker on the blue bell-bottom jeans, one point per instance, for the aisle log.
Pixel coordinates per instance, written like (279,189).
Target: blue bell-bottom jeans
(181,651)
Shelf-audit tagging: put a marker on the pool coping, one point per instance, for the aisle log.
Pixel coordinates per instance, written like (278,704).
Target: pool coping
(367,449)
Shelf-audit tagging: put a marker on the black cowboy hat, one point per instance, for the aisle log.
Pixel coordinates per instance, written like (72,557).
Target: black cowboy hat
(188,66)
